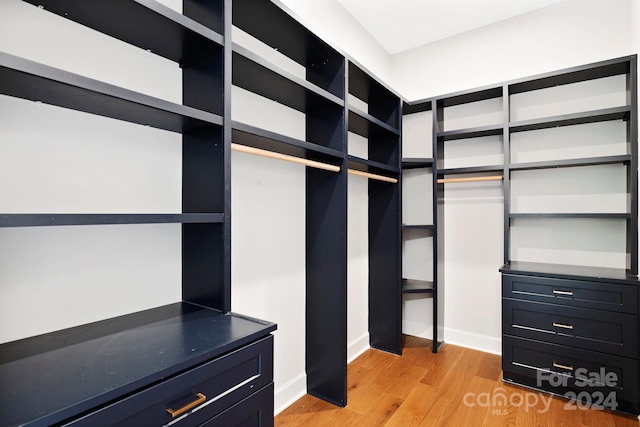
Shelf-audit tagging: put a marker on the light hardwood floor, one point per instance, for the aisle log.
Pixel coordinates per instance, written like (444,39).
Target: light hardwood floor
(423,389)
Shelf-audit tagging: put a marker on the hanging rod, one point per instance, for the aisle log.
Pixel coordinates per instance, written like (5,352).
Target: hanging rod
(472,179)
(270,154)
(373,176)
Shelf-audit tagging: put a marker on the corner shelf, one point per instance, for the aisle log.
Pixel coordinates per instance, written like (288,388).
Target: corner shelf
(412,286)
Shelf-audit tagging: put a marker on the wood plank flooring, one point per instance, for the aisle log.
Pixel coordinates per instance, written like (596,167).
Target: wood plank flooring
(452,388)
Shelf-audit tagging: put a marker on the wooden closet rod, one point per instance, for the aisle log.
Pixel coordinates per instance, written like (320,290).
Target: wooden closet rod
(472,179)
(264,153)
(373,176)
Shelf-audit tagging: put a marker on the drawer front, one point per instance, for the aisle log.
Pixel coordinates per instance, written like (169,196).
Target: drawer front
(561,369)
(600,296)
(205,391)
(604,331)
(254,411)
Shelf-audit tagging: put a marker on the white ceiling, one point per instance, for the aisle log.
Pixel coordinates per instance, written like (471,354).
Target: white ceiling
(399,25)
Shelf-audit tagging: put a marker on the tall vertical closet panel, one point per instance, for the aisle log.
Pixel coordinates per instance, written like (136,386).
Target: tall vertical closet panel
(326,290)
(385,320)
(320,95)
(380,125)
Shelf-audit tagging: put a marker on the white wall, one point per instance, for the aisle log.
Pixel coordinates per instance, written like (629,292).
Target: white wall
(567,34)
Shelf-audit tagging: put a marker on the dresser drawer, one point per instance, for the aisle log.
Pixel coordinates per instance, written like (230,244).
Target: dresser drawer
(605,331)
(254,411)
(596,295)
(545,366)
(194,396)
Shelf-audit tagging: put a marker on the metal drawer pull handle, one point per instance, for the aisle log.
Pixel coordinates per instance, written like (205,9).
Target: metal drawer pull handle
(567,293)
(177,412)
(557,365)
(560,325)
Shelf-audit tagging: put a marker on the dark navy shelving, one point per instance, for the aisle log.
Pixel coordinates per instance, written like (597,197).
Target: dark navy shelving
(571,215)
(413,286)
(167,33)
(365,165)
(39,220)
(468,133)
(417,163)
(604,115)
(417,227)
(575,272)
(270,24)
(257,75)
(252,136)
(381,125)
(320,96)
(470,169)
(568,163)
(75,375)
(29,80)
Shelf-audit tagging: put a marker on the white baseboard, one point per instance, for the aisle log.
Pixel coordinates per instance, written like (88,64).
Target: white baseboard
(485,343)
(288,393)
(358,346)
(297,387)
(479,342)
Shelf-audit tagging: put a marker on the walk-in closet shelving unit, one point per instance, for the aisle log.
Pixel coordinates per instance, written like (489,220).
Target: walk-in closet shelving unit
(380,125)
(165,361)
(321,96)
(569,283)
(571,311)
(419,216)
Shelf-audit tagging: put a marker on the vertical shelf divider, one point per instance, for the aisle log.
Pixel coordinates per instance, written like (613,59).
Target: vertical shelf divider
(326,284)
(326,256)
(506,173)
(632,230)
(438,235)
